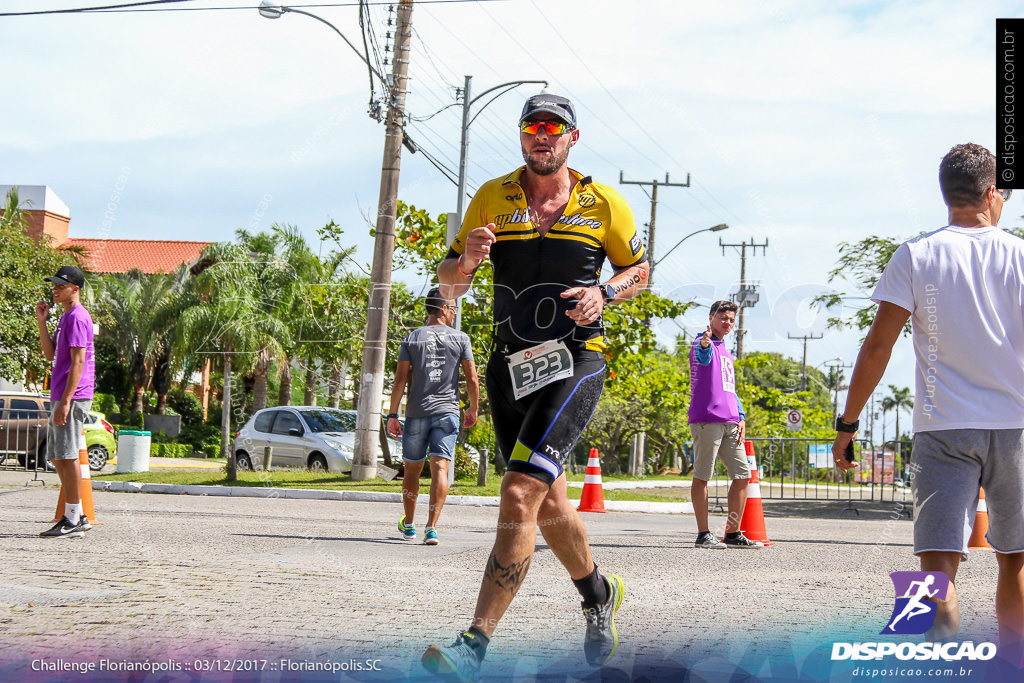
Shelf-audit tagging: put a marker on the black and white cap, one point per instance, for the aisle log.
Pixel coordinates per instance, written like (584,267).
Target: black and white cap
(68,275)
(552,104)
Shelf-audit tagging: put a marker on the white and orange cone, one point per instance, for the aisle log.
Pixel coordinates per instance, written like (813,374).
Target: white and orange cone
(592,499)
(84,486)
(980,527)
(752,524)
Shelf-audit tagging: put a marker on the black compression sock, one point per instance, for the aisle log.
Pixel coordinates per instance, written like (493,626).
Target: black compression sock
(592,588)
(732,534)
(478,641)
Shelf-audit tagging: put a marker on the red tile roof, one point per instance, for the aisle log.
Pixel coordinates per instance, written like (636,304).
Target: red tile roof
(149,256)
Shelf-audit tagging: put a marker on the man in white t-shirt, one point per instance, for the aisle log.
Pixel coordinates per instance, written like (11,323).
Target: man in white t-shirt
(962,287)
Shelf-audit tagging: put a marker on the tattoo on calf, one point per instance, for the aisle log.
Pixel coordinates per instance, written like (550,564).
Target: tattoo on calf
(507,577)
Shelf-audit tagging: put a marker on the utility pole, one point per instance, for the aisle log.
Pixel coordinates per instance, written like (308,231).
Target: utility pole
(803,363)
(747,296)
(455,219)
(654,214)
(371,377)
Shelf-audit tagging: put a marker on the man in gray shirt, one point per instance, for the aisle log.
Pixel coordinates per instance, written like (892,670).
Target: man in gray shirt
(429,363)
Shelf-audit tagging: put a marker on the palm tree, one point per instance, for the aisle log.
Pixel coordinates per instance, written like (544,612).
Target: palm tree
(165,320)
(278,281)
(132,303)
(223,317)
(899,400)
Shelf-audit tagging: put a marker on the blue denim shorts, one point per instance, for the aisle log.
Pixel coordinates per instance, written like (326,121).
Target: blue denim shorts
(432,435)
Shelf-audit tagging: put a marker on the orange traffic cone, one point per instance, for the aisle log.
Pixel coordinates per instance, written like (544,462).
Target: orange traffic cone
(980,523)
(752,524)
(592,499)
(84,487)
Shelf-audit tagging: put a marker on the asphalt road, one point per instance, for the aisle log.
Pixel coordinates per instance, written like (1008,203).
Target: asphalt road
(209,579)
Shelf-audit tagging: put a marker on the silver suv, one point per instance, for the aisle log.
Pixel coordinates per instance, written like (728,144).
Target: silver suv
(302,436)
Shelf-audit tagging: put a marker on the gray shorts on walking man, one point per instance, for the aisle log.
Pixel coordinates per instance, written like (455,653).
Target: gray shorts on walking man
(721,439)
(64,441)
(946,469)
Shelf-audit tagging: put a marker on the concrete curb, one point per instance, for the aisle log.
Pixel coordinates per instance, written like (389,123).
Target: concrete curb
(358,496)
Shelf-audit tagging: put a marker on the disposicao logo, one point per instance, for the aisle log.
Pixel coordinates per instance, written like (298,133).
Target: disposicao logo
(913,613)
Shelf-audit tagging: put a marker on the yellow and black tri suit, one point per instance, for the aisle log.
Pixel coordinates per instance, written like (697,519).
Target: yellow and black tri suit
(536,433)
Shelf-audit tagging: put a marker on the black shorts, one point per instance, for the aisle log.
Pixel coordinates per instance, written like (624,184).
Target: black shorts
(536,433)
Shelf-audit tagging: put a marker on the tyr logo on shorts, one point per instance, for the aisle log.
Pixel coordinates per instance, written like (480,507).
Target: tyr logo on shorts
(913,612)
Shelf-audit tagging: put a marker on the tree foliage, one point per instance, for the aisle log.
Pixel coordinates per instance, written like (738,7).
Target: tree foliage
(23,265)
(860,265)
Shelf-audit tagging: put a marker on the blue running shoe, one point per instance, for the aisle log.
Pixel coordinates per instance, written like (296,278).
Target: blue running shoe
(408,530)
(430,536)
(457,661)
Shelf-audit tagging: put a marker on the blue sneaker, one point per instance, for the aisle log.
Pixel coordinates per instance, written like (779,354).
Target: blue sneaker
(408,530)
(457,661)
(430,536)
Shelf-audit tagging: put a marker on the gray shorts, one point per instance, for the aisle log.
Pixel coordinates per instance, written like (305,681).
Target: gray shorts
(945,471)
(64,441)
(720,439)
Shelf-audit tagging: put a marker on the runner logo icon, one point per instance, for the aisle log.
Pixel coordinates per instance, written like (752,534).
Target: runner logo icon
(914,611)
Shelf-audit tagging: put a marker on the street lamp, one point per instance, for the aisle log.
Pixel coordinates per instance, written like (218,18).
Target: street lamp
(466,121)
(271,10)
(714,228)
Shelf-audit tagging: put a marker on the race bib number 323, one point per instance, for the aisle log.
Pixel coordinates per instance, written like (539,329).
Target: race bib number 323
(539,366)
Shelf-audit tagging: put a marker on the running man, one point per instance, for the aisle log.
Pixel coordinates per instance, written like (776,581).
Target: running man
(962,287)
(547,230)
(428,362)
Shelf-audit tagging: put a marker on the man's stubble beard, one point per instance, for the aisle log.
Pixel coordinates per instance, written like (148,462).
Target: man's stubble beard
(546,168)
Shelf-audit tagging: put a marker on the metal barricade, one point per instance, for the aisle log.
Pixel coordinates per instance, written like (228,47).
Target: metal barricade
(804,469)
(23,439)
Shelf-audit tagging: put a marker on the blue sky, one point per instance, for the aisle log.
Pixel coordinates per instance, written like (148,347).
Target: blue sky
(802,123)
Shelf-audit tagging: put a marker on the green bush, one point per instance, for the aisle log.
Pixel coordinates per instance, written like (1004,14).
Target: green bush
(465,464)
(186,404)
(104,403)
(202,438)
(160,437)
(170,450)
(111,376)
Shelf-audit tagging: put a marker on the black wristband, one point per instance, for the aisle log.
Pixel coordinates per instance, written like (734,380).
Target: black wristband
(392,415)
(844,426)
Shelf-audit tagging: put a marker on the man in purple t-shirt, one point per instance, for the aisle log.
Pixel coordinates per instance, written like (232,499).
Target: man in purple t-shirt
(718,428)
(71,351)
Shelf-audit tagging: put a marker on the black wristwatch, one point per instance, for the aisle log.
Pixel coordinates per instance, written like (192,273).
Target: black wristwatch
(608,292)
(844,426)
(392,415)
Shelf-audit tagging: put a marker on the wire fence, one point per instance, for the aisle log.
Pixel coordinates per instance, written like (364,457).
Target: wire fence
(23,439)
(804,470)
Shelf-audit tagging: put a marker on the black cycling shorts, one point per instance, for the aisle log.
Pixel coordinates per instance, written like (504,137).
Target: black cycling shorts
(536,433)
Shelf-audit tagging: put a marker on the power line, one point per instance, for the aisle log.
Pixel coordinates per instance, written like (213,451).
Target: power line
(121,8)
(90,9)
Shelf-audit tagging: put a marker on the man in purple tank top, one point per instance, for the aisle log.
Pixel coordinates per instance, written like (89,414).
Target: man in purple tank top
(718,429)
